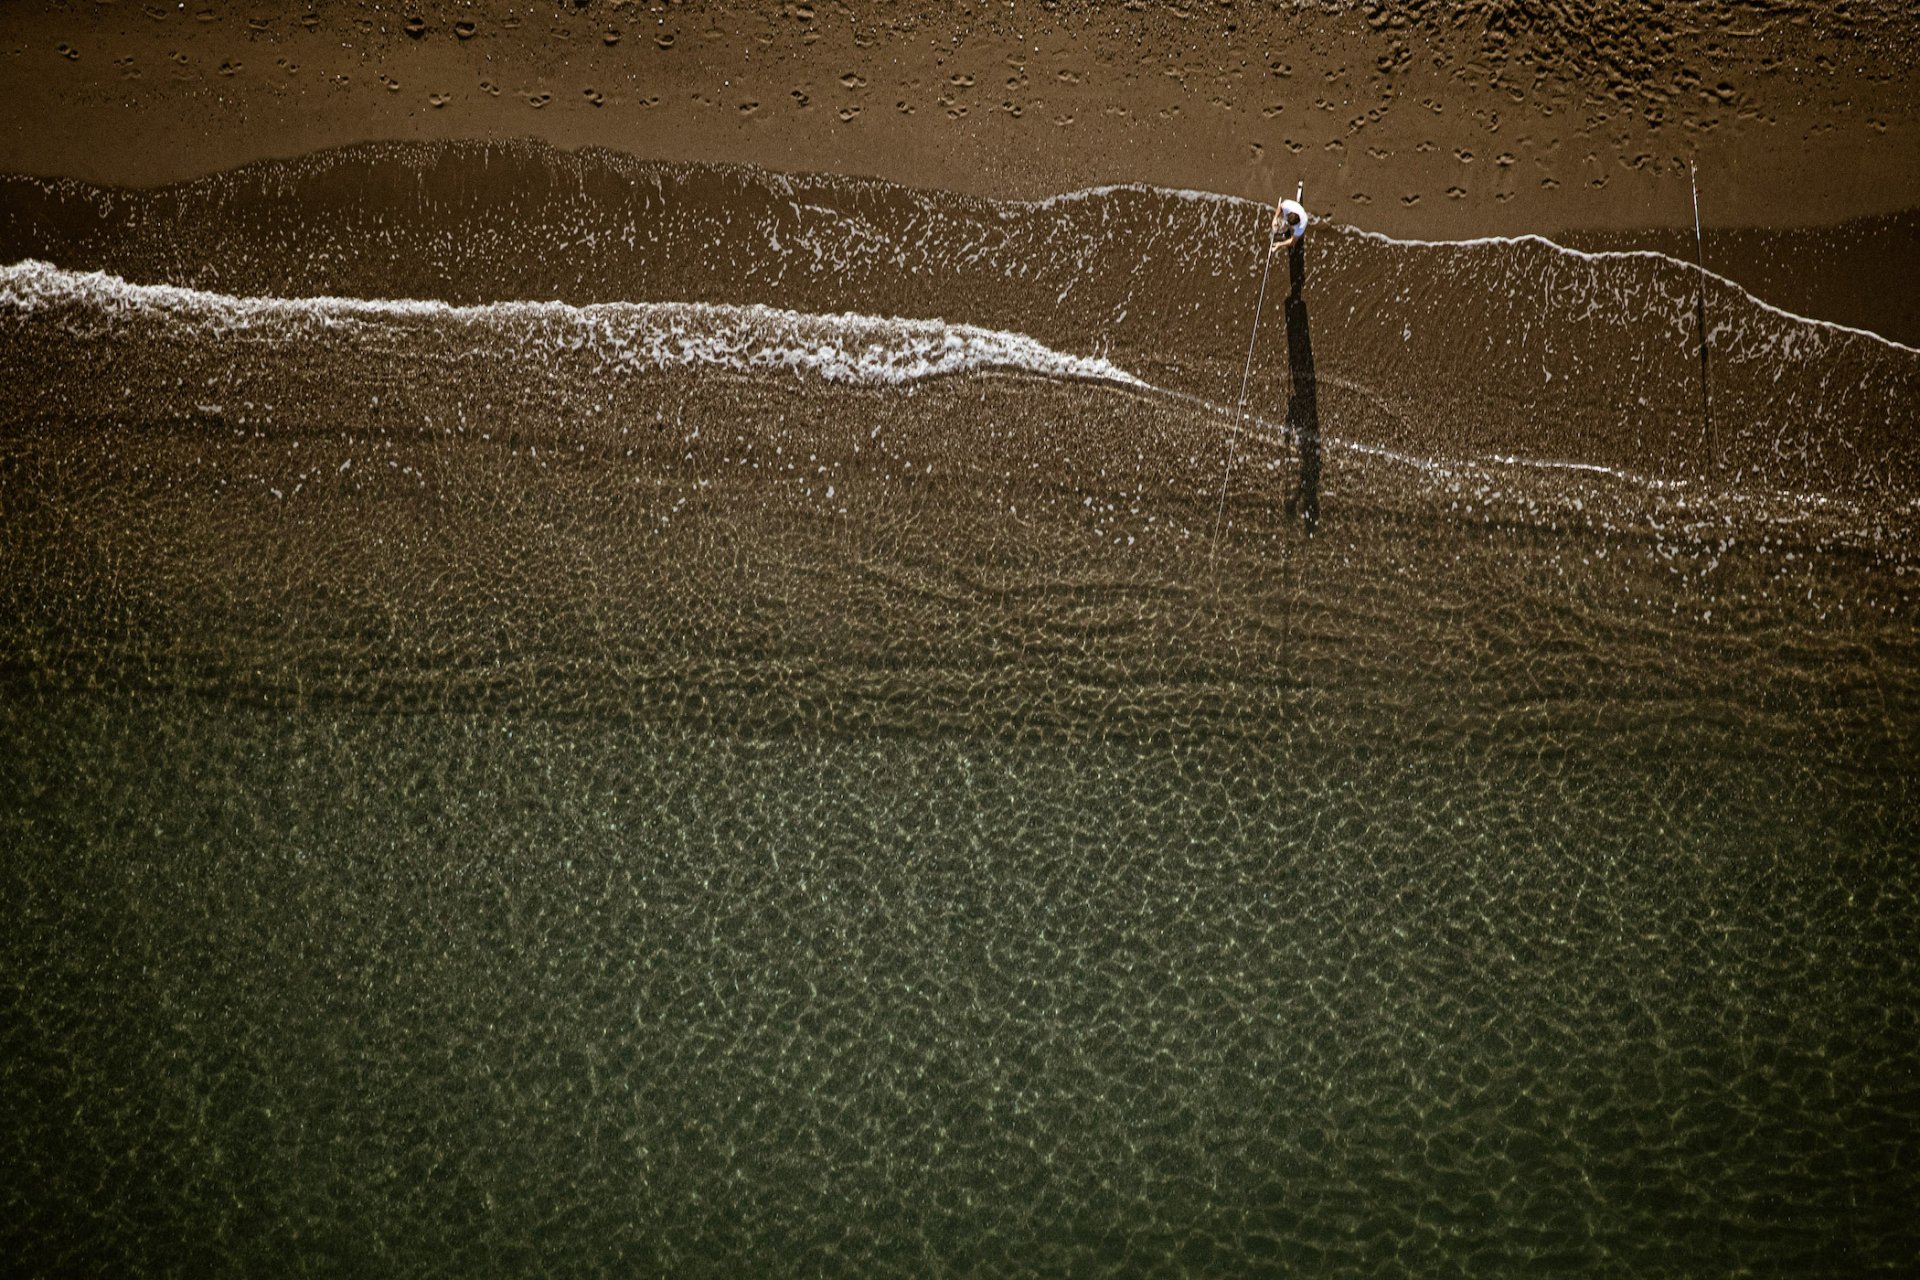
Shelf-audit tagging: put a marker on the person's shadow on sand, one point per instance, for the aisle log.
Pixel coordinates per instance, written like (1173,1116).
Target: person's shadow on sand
(1303,408)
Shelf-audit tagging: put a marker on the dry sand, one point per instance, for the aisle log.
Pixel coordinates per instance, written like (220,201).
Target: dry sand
(1412,118)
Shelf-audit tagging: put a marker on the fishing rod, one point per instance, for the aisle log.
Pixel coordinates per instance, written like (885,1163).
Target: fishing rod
(1294,221)
(1700,312)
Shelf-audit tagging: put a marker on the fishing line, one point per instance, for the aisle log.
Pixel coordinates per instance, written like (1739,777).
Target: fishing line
(1700,312)
(1240,409)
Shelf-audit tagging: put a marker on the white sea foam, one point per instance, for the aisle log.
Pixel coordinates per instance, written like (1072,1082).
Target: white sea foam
(1615,255)
(1142,188)
(1586,255)
(846,347)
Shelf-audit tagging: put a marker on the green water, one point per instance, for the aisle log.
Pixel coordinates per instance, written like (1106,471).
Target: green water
(488,994)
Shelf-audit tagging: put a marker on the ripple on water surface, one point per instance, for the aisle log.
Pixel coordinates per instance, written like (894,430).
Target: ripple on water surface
(703,781)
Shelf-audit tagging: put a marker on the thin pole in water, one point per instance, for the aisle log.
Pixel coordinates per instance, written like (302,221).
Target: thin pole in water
(1700,312)
(1240,408)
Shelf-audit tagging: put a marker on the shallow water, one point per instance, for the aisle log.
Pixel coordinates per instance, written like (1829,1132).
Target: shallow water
(668,786)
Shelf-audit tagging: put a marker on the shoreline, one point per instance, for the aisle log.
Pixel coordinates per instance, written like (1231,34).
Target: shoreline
(1405,123)
(1539,350)
(1857,276)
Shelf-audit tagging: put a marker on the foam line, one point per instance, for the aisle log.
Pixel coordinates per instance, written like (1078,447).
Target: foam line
(1145,188)
(1594,255)
(1602,255)
(847,347)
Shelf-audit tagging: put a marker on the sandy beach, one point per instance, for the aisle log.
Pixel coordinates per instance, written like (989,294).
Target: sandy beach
(1416,119)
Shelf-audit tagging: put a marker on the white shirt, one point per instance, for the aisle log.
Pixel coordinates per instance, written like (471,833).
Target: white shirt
(1293,220)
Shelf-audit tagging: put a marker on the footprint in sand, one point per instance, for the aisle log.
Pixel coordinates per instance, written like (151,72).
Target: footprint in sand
(960,80)
(538,100)
(415,27)
(67,51)
(1410,200)
(848,113)
(852,81)
(903,108)
(230,68)
(1456,193)
(1549,183)
(594,96)
(439,99)
(464,30)
(1067,77)
(610,39)
(800,99)
(748,108)
(664,40)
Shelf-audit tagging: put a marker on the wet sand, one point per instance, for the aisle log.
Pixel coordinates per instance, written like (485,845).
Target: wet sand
(1408,119)
(1416,119)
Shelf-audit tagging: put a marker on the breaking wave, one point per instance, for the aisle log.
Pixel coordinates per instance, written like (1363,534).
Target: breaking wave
(846,347)
(1516,347)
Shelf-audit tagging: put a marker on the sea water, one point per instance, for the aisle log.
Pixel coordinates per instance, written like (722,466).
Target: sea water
(568,715)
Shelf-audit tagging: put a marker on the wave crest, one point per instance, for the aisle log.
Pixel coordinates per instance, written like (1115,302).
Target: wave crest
(846,347)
